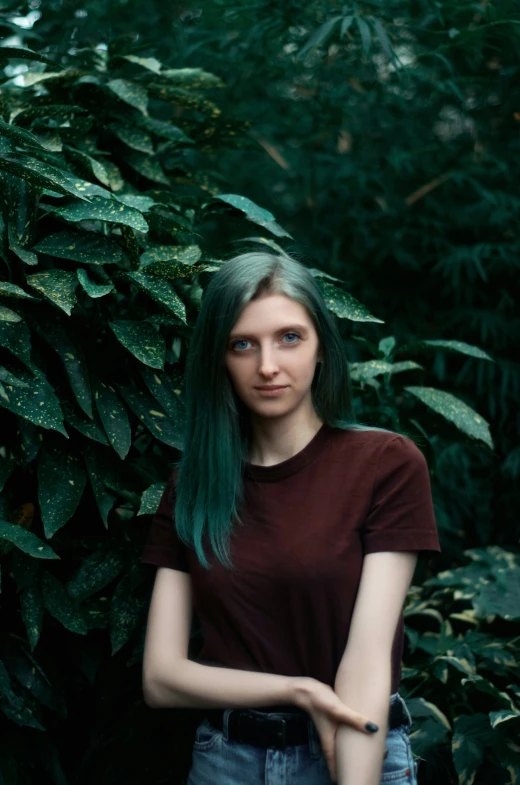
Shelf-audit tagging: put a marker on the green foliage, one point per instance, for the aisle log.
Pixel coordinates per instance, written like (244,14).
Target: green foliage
(116,167)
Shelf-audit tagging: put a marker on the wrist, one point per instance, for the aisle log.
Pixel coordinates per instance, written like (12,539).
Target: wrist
(302,688)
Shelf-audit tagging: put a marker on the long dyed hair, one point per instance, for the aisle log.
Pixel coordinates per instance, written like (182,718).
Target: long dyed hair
(209,487)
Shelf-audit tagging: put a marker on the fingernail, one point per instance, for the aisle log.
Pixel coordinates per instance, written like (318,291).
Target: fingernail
(371,727)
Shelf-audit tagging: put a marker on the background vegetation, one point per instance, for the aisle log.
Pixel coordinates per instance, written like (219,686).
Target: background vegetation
(141,144)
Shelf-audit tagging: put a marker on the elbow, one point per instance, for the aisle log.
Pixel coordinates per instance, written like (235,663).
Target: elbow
(151,692)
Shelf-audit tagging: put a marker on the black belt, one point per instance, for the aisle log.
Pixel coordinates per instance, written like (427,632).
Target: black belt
(253,726)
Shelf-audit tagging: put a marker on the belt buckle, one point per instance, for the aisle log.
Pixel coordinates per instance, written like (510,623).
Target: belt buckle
(267,726)
(280,733)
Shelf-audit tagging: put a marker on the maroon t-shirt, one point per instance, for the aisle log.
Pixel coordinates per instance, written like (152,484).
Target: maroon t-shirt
(287,605)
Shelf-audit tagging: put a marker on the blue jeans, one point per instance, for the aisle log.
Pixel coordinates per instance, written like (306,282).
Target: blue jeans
(218,760)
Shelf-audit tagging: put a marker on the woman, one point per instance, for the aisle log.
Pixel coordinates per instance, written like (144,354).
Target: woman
(313,525)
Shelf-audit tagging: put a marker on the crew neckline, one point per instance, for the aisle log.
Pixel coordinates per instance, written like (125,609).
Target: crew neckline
(278,471)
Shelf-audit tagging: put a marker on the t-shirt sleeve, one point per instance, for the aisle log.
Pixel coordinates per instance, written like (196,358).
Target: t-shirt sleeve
(401,515)
(163,548)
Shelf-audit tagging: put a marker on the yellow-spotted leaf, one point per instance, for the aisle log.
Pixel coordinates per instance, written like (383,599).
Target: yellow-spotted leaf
(14,707)
(126,608)
(168,394)
(26,541)
(60,604)
(37,402)
(452,346)
(456,411)
(185,254)
(131,93)
(147,166)
(32,609)
(160,291)
(15,337)
(165,130)
(344,305)
(253,212)
(7,315)
(134,137)
(171,270)
(194,78)
(99,467)
(151,498)
(151,414)
(100,209)
(19,135)
(372,368)
(177,95)
(88,162)
(96,571)
(142,340)
(93,289)
(58,286)
(61,482)
(139,201)
(85,247)
(22,53)
(150,63)
(12,290)
(92,429)
(113,415)
(40,174)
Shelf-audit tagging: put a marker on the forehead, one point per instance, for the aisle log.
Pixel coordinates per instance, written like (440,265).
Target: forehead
(271,313)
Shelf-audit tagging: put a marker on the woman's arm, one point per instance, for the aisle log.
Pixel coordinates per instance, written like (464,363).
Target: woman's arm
(363,679)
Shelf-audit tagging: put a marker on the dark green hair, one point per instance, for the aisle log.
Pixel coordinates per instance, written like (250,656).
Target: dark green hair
(209,487)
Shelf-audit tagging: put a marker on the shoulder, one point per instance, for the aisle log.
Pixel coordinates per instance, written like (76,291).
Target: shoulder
(374,446)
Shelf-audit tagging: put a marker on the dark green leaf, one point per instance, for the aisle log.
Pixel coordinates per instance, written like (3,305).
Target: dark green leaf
(12,290)
(98,468)
(134,137)
(500,597)
(125,609)
(31,602)
(147,167)
(186,254)
(177,95)
(12,705)
(7,315)
(85,247)
(19,135)
(319,36)
(60,604)
(93,289)
(15,337)
(42,175)
(165,130)
(20,53)
(36,403)
(103,210)
(26,541)
(113,416)
(133,94)
(194,78)
(160,291)
(344,305)
(59,286)
(454,410)
(150,63)
(366,36)
(253,213)
(61,482)
(96,571)
(151,414)
(151,498)
(92,429)
(142,340)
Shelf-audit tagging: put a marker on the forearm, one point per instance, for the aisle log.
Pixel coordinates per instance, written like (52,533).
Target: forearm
(193,685)
(365,688)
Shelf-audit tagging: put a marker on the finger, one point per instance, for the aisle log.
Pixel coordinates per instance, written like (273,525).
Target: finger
(356,720)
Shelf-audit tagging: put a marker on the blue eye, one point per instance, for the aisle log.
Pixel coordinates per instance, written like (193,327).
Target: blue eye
(244,340)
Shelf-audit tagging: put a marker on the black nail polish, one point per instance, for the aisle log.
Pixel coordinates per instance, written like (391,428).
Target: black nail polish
(371,727)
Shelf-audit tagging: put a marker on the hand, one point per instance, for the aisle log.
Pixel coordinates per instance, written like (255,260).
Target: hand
(327,711)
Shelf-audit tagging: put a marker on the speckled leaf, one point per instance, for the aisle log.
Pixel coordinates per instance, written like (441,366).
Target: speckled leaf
(36,403)
(140,202)
(95,167)
(98,470)
(9,378)
(26,541)
(7,315)
(13,706)
(12,290)
(58,286)
(114,176)
(142,340)
(60,604)
(151,414)
(61,482)
(177,95)
(96,571)
(89,428)
(169,396)
(500,597)
(453,346)
(114,417)
(103,210)
(86,247)
(7,466)
(456,411)
(31,605)
(185,254)
(72,357)
(160,291)
(150,63)
(19,135)
(344,305)
(22,53)
(131,93)
(93,289)
(16,337)
(125,609)
(373,368)
(165,130)
(192,78)
(171,270)
(151,498)
(41,175)
(253,213)
(147,166)
(134,137)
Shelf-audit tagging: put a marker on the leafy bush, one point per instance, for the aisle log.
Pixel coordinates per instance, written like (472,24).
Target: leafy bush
(104,193)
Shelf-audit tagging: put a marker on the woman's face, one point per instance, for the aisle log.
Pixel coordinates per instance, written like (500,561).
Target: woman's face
(273,342)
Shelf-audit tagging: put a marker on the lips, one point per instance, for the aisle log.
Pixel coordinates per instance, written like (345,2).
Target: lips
(276,387)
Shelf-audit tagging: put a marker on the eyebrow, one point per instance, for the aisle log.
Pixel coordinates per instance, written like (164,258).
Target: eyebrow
(287,328)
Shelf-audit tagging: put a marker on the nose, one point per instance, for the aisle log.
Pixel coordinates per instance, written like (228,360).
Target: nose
(268,363)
